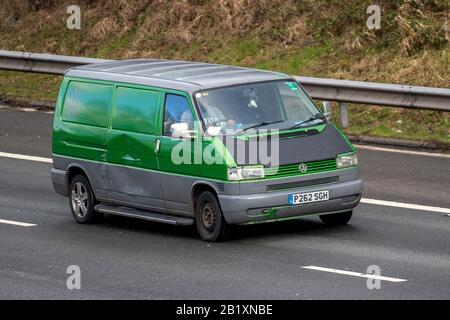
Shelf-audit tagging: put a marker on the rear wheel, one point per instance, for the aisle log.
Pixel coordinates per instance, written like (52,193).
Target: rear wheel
(82,201)
(336,219)
(211,225)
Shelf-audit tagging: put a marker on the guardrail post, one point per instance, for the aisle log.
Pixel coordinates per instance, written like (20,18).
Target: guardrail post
(327,109)
(344,114)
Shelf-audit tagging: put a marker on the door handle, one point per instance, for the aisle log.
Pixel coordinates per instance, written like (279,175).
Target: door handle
(157,146)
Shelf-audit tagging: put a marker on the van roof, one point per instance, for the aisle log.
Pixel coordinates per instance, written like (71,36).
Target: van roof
(171,74)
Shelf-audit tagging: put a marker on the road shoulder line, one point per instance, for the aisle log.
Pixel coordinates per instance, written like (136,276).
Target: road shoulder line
(405,205)
(416,153)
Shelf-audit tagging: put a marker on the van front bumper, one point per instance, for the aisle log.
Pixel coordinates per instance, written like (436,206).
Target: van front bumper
(238,209)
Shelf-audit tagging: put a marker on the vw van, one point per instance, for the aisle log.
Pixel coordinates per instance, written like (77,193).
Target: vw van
(188,143)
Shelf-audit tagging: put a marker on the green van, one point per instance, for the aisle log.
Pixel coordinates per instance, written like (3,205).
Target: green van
(193,143)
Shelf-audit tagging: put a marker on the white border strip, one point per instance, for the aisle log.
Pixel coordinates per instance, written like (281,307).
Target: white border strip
(417,153)
(355,274)
(24,157)
(17,223)
(405,205)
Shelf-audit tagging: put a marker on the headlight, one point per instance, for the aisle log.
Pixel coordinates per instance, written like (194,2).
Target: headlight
(347,160)
(245,173)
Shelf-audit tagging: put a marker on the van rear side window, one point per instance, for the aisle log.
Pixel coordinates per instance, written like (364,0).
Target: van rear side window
(135,110)
(87,103)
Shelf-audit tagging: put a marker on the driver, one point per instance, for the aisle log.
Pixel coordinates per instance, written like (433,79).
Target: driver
(212,116)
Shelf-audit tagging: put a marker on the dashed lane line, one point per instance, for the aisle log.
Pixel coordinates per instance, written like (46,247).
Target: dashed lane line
(355,274)
(17,223)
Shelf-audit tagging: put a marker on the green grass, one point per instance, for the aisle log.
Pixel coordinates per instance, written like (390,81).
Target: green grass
(116,44)
(23,86)
(317,38)
(421,125)
(364,120)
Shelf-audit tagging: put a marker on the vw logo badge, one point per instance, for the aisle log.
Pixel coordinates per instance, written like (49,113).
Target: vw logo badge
(303,167)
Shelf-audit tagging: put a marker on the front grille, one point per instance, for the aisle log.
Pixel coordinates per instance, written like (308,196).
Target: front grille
(293,169)
(300,184)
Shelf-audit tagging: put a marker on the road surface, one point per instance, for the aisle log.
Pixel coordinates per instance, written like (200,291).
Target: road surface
(122,258)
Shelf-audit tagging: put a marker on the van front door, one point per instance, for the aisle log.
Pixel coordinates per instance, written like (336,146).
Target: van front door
(133,169)
(176,153)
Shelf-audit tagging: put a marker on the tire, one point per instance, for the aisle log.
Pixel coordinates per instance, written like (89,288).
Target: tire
(82,201)
(336,219)
(211,225)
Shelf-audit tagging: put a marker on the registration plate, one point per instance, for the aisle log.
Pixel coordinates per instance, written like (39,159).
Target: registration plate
(308,197)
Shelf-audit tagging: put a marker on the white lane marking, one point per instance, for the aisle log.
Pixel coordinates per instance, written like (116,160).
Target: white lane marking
(28,109)
(24,157)
(363,200)
(355,274)
(417,153)
(17,223)
(405,205)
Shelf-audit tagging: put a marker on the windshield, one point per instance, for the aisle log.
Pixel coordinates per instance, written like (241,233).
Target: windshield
(266,105)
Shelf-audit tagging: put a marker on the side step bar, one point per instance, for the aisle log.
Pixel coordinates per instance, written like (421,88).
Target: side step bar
(145,215)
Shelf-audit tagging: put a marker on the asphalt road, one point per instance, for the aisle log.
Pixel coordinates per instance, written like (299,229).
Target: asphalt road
(130,259)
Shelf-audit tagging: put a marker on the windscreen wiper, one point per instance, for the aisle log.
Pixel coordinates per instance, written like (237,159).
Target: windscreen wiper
(260,124)
(300,124)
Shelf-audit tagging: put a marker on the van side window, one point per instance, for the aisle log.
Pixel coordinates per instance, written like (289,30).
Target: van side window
(87,103)
(176,111)
(135,110)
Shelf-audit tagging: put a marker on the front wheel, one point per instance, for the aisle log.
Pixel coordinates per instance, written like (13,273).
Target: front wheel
(336,219)
(211,225)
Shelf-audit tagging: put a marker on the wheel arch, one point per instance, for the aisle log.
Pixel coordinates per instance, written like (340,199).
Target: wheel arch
(198,187)
(75,169)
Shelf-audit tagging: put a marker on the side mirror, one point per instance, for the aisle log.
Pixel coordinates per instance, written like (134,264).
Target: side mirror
(213,131)
(181,131)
